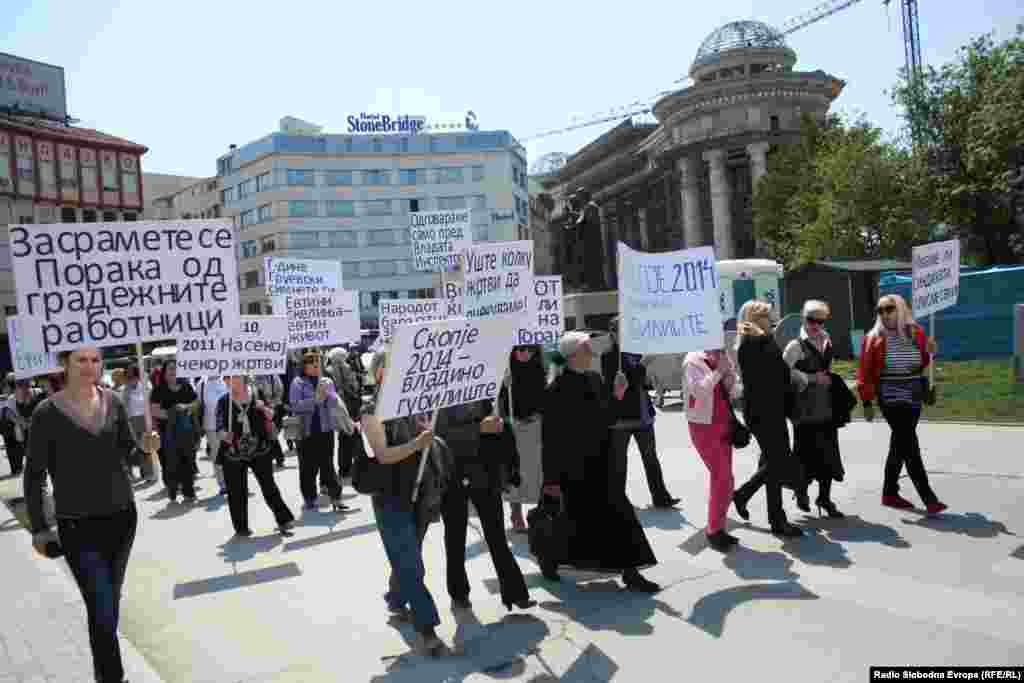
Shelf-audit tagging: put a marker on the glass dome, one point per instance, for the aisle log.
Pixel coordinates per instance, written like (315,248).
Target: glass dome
(737,35)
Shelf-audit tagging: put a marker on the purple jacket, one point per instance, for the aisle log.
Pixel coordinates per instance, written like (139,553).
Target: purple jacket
(302,398)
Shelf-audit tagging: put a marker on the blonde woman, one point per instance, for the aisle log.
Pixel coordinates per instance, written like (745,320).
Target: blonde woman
(893,357)
(766,382)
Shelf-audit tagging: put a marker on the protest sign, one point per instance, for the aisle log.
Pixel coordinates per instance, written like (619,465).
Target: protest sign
(936,277)
(442,364)
(394,313)
(498,280)
(105,284)
(322,319)
(546,322)
(669,302)
(26,362)
(258,347)
(439,238)
(300,277)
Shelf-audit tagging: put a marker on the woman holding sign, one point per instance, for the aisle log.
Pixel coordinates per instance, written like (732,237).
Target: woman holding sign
(81,437)
(893,357)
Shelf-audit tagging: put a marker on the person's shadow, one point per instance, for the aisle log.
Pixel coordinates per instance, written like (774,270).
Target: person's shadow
(667,519)
(855,529)
(973,524)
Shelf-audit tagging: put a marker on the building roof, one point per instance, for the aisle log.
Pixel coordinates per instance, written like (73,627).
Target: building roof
(71,134)
(866,265)
(738,35)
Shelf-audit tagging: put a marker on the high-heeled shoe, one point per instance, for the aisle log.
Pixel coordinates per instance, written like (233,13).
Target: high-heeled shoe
(803,501)
(525,603)
(550,571)
(829,507)
(786,530)
(741,508)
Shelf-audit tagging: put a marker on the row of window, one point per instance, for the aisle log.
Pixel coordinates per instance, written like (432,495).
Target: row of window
(343,208)
(336,239)
(374,177)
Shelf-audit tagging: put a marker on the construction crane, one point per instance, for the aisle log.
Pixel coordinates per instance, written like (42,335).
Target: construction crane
(644,106)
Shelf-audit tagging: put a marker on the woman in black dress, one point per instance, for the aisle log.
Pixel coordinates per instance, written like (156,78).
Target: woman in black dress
(171,404)
(578,416)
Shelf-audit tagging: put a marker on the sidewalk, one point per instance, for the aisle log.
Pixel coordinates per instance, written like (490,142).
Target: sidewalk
(43,633)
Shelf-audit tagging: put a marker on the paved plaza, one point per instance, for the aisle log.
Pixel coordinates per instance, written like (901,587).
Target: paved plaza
(882,587)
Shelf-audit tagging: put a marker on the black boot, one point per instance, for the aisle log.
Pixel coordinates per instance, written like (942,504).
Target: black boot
(721,541)
(824,501)
(637,583)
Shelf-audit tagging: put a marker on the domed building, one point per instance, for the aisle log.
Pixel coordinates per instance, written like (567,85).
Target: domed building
(688,180)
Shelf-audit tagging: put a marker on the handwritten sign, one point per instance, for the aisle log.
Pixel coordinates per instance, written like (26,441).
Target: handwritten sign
(257,348)
(669,302)
(439,237)
(546,322)
(936,277)
(322,319)
(300,277)
(394,313)
(26,362)
(498,279)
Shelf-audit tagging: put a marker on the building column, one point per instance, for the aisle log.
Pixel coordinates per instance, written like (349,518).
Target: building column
(641,222)
(758,152)
(608,245)
(721,205)
(689,181)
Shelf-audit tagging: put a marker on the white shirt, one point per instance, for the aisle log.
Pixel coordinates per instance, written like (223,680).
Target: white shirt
(214,389)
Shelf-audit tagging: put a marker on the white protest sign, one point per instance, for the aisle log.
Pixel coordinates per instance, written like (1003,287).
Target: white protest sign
(439,238)
(322,319)
(258,347)
(546,323)
(442,364)
(669,302)
(300,277)
(105,284)
(27,363)
(936,277)
(498,280)
(394,313)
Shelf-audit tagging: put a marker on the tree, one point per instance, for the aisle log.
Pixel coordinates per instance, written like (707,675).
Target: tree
(969,115)
(840,192)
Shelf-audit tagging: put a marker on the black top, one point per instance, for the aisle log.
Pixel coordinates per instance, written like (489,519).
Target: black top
(636,407)
(260,426)
(575,432)
(767,388)
(167,399)
(88,469)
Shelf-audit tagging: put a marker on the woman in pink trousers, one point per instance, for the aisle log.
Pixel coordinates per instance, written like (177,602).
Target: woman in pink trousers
(710,381)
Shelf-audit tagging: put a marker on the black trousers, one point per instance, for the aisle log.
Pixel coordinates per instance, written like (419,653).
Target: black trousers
(455,513)
(316,457)
(346,452)
(905,449)
(178,465)
(235,474)
(97,550)
(649,454)
(15,455)
(773,438)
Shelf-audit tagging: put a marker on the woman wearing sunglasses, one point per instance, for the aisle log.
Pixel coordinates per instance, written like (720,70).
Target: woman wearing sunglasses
(815,428)
(892,361)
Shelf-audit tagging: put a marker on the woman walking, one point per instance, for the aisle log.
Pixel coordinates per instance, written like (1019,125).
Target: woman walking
(399,444)
(892,361)
(815,426)
(82,439)
(246,445)
(766,387)
(171,404)
(309,399)
(710,382)
(17,413)
(520,402)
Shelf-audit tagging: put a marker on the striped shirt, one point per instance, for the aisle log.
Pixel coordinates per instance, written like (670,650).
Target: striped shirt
(902,357)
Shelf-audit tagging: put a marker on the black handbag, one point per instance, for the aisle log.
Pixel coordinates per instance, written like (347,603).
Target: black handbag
(739,433)
(549,530)
(501,449)
(369,476)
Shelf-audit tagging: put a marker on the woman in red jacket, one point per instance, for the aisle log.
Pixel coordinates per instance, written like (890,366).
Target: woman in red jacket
(892,361)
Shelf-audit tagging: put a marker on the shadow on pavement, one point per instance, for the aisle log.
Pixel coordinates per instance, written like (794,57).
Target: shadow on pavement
(973,524)
(498,650)
(606,605)
(854,529)
(756,565)
(818,549)
(669,519)
(710,612)
(1018,553)
(173,511)
(240,549)
(329,537)
(237,579)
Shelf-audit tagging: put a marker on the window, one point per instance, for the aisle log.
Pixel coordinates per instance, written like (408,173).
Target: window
(421,293)
(109,216)
(406,206)
(304,240)
(412,176)
(515,174)
(403,145)
(131,183)
(301,209)
(247,217)
(265,213)
(343,239)
(774,123)
(227,195)
(305,178)
(449,175)
(269,309)
(130,216)
(263,182)
(478,174)
(377,146)
(479,201)
(337,178)
(379,207)
(383,268)
(341,209)
(249,249)
(267,244)
(350,269)
(376,177)
(252,279)
(88,216)
(451,203)
(254,309)
(244,189)
(383,238)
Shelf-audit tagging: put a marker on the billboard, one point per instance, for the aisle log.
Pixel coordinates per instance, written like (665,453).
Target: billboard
(32,87)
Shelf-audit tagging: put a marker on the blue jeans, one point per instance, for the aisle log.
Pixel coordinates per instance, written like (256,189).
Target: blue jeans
(396,522)
(97,549)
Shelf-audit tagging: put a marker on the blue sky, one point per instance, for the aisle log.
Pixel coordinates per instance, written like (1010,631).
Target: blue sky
(188,78)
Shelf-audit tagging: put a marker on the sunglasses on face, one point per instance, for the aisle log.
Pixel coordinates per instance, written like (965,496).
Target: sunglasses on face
(888,308)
